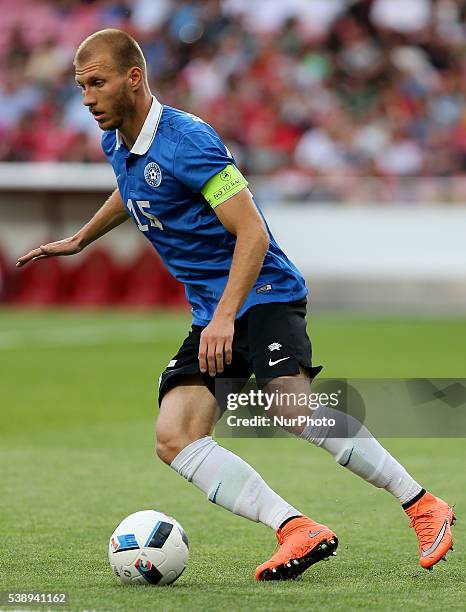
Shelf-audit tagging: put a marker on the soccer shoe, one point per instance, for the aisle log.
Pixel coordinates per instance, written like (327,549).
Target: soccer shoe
(302,542)
(431,518)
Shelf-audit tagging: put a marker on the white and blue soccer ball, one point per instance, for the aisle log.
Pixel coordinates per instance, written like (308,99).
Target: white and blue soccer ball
(148,547)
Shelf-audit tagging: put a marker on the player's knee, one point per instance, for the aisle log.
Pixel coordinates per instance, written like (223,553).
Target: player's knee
(170,443)
(167,447)
(180,424)
(166,451)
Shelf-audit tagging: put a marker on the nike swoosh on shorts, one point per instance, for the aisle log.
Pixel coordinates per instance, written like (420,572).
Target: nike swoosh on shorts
(272,363)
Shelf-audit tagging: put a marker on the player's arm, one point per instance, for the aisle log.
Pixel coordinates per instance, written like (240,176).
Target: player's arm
(109,216)
(240,217)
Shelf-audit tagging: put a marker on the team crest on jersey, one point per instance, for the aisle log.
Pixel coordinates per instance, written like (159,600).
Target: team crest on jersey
(153,174)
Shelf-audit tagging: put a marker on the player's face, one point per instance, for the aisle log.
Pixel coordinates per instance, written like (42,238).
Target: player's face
(106,92)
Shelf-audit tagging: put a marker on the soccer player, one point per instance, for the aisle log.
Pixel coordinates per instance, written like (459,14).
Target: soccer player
(181,187)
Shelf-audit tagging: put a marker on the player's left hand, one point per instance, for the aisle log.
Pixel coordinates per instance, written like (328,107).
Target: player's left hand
(215,346)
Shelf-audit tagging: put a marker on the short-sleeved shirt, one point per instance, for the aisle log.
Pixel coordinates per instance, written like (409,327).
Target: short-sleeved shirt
(161,180)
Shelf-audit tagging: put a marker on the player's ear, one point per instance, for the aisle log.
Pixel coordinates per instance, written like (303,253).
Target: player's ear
(135,76)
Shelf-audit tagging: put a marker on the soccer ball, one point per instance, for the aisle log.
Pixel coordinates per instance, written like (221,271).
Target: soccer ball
(148,547)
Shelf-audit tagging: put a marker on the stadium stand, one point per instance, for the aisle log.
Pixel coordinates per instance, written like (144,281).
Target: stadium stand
(321,87)
(327,102)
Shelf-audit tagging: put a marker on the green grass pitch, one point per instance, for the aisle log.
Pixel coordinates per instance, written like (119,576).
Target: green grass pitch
(78,405)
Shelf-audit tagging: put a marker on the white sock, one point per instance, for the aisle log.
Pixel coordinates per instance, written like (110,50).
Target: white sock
(230,482)
(353,446)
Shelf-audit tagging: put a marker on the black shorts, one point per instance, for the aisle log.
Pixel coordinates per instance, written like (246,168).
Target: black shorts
(270,340)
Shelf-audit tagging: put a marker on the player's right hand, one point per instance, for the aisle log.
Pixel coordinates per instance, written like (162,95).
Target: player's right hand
(68,246)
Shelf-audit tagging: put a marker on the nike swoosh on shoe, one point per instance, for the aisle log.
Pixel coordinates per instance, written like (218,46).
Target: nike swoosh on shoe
(313,534)
(438,539)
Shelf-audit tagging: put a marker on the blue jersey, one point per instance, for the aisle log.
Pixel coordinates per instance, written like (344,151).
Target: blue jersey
(161,180)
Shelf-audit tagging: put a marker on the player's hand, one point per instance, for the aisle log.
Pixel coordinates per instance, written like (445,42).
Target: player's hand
(68,246)
(215,346)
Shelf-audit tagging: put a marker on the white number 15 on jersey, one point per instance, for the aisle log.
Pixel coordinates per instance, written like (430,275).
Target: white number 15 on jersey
(142,205)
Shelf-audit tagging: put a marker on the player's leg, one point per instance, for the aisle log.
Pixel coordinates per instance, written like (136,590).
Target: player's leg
(348,441)
(352,446)
(302,541)
(282,363)
(188,413)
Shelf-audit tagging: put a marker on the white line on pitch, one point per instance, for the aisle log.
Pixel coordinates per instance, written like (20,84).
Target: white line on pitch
(86,335)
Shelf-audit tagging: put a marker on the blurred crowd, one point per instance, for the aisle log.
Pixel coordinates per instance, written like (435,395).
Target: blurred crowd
(299,89)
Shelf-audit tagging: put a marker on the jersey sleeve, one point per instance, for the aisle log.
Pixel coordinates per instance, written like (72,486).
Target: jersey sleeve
(203,163)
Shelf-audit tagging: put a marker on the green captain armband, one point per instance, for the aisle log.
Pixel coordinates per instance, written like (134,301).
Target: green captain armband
(224,185)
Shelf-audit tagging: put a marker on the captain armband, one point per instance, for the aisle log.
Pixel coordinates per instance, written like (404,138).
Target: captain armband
(224,185)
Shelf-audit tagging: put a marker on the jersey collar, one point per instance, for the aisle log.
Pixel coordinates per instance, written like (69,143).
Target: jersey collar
(148,130)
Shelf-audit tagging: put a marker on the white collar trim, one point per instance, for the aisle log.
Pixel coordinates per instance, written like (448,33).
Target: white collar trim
(148,130)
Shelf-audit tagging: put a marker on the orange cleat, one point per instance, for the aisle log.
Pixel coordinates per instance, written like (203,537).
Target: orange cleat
(431,518)
(302,542)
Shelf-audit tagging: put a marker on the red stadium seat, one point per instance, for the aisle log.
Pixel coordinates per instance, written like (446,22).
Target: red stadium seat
(148,283)
(95,281)
(42,283)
